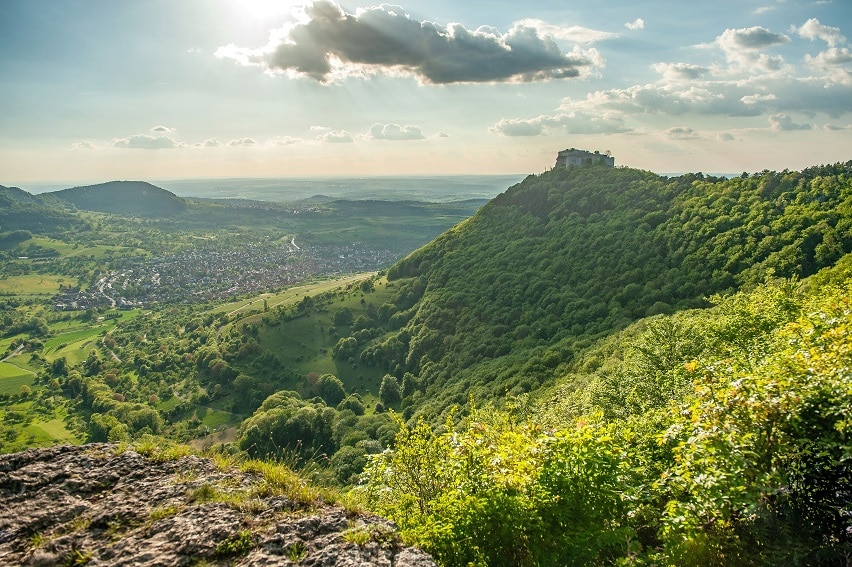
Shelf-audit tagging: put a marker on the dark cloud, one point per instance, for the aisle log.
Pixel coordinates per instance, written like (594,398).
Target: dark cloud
(383,38)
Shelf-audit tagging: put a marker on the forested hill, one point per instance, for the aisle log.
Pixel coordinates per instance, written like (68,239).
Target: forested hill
(494,305)
(137,198)
(20,210)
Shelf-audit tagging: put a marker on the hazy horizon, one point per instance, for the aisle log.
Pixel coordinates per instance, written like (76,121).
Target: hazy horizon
(97,90)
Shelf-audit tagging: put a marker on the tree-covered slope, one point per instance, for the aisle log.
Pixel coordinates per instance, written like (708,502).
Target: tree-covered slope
(20,210)
(137,198)
(709,437)
(497,303)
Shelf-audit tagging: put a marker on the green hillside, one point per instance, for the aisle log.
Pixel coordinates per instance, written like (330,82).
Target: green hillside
(496,304)
(137,198)
(20,210)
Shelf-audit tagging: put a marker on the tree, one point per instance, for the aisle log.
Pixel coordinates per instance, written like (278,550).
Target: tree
(343,317)
(330,388)
(389,391)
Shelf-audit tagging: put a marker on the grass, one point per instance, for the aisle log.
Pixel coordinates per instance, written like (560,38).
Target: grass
(30,284)
(10,383)
(12,370)
(288,297)
(55,430)
(305,343)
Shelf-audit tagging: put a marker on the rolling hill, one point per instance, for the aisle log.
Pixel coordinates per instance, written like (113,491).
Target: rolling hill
(137,198)
(504,300)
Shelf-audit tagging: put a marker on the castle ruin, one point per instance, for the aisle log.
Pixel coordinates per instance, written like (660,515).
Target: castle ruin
(581,158)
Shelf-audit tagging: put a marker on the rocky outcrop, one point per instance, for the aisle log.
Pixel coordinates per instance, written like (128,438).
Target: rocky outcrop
(96,505)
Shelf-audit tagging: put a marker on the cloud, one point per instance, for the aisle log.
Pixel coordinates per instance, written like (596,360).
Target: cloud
(756,37)
(763,10)
(835,62)
(680,71)
(328,44)
(246,142)
(837,127)
(742,49)
(146,142)
(812,30)
(83,145)
(756,98)
(210,143)
(335,137)
(783,122)
(574,122)
(395,132)
(576,34)
(724,137)
(637,24)
(160,128)
(284,141)
(682,133)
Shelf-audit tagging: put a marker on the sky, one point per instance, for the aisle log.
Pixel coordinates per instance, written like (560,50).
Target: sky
(95,90)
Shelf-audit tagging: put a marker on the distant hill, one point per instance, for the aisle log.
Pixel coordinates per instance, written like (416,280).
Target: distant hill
(20,210)
(14,195)
(137,198)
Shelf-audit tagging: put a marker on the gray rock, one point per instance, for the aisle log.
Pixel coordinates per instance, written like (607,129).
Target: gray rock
(97,506)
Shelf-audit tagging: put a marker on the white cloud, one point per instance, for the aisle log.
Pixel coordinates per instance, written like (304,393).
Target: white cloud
(763,10)
(783,122)
(724,137)
(756,37)
(211,143)
(246,142)
(637,24)
(835,63)
(335,137)
(812,30)
(576,34)
(83,145)
(327,44)
(284,141)
(756,98)
(742,49)
(837,127)
(395,132)
(161,128)
(680,71)
(573,122)
(146,142)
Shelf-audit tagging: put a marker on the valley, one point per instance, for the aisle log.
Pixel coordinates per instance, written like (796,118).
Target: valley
(601,348)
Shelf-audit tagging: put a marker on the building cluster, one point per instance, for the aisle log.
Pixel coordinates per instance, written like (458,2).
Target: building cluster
(201,275)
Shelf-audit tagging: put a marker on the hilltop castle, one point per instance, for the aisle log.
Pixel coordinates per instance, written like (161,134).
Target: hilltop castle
(581,158)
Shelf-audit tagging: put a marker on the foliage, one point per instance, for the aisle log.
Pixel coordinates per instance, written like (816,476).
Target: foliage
(746,462)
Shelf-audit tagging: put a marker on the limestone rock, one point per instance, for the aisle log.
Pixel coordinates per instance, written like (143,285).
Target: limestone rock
(95,505)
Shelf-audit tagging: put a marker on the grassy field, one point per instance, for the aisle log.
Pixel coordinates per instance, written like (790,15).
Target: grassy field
(305,344)
(31,284)
(287,297)
(67,250)
(12,378)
